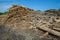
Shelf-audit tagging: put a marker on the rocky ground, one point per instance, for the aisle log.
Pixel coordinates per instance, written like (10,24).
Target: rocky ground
(21,24)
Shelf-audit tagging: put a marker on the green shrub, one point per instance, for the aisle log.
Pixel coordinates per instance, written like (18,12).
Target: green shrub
(3,13)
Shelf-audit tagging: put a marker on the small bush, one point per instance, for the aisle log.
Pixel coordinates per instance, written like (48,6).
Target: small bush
(3,13)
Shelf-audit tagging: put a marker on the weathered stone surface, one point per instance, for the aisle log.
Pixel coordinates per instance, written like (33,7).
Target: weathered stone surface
(21,24)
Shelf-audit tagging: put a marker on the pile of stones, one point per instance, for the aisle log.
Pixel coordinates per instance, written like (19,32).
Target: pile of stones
(23,22)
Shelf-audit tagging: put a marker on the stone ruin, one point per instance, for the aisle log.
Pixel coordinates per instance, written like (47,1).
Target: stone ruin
(23,21)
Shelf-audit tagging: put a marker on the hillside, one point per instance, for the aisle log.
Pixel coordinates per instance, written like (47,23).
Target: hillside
(53,12)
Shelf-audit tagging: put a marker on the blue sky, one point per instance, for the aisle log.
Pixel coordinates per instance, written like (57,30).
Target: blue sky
(33,4)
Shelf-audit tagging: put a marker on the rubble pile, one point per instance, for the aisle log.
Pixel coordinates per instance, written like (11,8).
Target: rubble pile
(32,24)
